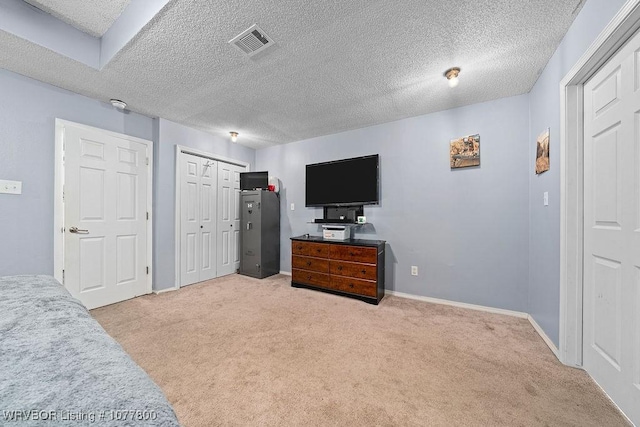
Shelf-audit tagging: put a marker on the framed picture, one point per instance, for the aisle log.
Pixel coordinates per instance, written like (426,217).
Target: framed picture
(542,152)
(465,152)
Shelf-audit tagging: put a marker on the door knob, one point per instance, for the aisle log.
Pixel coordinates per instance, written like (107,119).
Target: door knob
(77,230)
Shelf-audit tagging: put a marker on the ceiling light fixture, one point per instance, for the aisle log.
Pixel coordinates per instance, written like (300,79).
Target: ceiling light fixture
(234,136)
(120,105)
(452,75)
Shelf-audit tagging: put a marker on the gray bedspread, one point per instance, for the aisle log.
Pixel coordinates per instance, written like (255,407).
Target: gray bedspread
(59,367)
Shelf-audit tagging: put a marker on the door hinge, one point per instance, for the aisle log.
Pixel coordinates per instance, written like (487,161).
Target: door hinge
(147,216)
(147,161)
(63,277)
(147,270)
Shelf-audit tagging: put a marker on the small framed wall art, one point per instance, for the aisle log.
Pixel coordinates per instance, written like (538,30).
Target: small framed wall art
(542,152)
(465,152)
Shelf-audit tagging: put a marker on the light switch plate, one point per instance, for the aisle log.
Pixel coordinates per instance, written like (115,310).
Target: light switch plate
(545,198)
(10,187)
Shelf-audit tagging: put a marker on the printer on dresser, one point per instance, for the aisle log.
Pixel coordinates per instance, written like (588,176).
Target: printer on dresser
(353,268)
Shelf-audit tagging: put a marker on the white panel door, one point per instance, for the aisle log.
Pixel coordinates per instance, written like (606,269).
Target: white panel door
(198,178)
(611,348)
(105,199)
(228,241)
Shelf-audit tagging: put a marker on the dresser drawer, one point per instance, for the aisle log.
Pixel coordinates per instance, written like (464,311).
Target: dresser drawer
(353,286)
(310,278)
(308,263)
(352,269)
(354,253)
(319,250)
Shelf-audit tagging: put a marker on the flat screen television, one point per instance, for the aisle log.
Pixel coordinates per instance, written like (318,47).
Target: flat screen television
(347,182)
(254,180)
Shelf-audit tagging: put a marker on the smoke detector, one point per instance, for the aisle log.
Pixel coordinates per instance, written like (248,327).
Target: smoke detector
(252,40)
(120,105)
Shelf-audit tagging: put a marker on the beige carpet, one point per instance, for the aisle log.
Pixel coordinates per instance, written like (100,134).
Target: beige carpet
(240,351)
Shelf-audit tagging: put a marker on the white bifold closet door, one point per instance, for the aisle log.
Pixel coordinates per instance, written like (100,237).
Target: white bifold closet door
(228,246)
(197,219)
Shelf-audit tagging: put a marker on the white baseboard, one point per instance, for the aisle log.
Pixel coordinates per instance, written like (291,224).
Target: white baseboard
(460,304)
(519,314)
(544,336)
(162,291)
(608,397)
(286,273)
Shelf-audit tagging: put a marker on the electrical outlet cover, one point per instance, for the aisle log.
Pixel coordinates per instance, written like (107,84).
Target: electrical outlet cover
(10,187)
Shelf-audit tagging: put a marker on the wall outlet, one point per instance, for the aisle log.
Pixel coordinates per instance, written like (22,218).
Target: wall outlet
(414,270)
(293,206)
(10,187)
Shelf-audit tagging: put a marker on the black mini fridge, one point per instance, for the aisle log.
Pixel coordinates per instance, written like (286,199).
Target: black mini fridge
(260,233)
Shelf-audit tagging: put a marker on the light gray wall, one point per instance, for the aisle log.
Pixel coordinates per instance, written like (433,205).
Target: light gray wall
(27,144)
(168,135)
(466,230)
(544,230)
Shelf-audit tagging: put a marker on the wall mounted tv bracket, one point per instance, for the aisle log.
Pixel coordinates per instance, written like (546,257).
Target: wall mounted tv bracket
(347,214)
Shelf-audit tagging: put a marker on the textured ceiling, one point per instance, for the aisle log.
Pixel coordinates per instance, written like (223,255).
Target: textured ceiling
(337,65)
(94,17)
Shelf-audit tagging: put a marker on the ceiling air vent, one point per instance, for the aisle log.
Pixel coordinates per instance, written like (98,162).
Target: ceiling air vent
(252,40)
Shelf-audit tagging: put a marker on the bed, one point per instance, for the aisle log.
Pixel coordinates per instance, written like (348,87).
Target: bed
(59,367)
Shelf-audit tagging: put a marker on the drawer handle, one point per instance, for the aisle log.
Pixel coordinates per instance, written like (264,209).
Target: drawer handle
(339,268)
(309,277)
(363,271)
(352,254)
(319,250)
(299,247)
(351,285)
(308,262)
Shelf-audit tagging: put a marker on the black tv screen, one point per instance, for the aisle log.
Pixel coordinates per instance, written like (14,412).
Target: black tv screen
(345,182)
(253,180)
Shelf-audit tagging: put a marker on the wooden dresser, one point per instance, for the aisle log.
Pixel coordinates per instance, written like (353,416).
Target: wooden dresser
(353,268)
